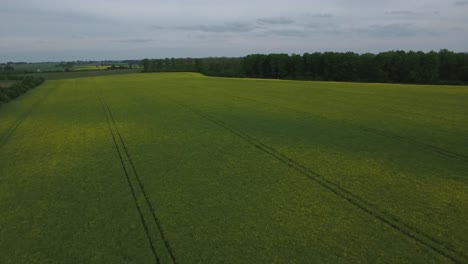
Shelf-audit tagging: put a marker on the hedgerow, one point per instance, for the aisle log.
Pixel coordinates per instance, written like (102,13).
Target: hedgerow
(27,83)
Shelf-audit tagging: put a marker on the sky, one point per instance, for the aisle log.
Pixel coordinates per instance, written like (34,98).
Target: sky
(50,30)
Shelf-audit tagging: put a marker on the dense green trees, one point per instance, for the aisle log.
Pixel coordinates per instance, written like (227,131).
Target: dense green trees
(444,67)
(230,67)
(15,90)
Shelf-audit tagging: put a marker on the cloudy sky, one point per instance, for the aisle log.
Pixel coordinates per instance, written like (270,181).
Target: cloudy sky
(50,30)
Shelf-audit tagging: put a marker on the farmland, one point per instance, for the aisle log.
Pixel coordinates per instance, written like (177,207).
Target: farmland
(80,74)
(179,167)
(62,67)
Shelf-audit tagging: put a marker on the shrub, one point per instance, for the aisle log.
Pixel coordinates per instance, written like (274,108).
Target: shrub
(17,89)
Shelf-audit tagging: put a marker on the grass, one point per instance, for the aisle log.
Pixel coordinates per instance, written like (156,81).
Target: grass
(139,167)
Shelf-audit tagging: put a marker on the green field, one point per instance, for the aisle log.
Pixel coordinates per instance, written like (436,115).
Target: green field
(56,67)
(88,67)
(42,66)
(94,67)
(81,74)
(178,167)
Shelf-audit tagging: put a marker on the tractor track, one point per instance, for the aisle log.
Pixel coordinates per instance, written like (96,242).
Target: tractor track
(370,209)
(124,154)
(421,145)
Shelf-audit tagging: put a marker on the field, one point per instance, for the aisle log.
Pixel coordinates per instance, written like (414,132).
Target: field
(88,67)
(43,66)
(93,67)
(81,74)
(182,168)
(60,67)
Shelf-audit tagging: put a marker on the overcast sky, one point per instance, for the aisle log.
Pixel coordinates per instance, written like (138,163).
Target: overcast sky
(50,30)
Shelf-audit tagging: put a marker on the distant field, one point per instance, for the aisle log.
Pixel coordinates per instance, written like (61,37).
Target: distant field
(53,66)
(56,67)
(88,67)
(81,74)
(178,167)
(93,67)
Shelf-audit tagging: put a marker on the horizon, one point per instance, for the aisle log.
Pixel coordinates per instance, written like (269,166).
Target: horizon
(140,59)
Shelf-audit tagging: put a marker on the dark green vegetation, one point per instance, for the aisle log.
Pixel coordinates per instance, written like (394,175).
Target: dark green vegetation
(190,169)
(71,66)
(4,84)
(445,67)
(81,74)
(13,90)
(34,67)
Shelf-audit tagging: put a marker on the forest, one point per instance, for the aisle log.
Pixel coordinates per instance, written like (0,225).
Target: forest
(443,67)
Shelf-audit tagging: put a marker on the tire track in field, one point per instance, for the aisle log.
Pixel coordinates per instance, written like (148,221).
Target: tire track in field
(366,207)
(438,150)
(8,132)
(129,170)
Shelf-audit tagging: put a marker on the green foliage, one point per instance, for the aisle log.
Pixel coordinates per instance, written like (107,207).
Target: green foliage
(235,170)
(228,67)
(11,92)
(385,67)
(80,74)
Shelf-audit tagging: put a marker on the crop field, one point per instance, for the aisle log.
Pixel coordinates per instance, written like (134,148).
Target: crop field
(81,74)
(44,66)
(88,67)
(94,67)
(183,168)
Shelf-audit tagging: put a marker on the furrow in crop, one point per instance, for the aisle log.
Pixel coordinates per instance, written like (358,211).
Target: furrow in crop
(370,209)
(429,147)
(140,187)
(129,182)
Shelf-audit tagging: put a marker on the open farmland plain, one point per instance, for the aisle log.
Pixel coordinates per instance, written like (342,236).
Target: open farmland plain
(182,168)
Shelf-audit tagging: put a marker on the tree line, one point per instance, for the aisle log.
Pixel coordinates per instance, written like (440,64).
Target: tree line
(443,67)
(27,83)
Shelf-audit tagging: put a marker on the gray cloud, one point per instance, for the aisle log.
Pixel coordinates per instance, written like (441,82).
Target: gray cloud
(107,29)
(391,30)
(321,26)
(320,15)
(211,37)
(136,40)
(275,21)
(401,12)
(289,33)
(331,29)
(226,27)
(154,27)
(461,3)
(51,15)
